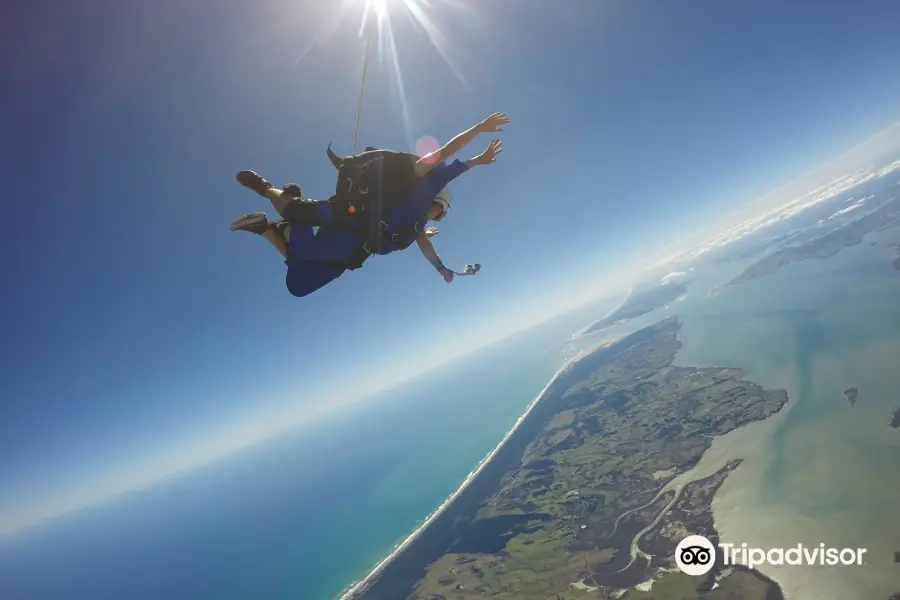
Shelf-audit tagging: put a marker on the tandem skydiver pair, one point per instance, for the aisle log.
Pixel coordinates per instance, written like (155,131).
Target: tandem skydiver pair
(382,203)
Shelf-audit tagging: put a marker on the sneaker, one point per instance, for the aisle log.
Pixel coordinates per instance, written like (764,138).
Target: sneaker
(253,181)
(256,223)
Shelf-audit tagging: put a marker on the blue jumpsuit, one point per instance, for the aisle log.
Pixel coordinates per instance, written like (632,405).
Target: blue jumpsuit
(315,259)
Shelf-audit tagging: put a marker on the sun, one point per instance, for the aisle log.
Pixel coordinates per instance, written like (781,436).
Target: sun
(378,7)
(376,30)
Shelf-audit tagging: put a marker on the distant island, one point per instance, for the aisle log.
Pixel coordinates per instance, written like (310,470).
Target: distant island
(895,596)
(886,216)
(574,503)
(640,303)
(896,263)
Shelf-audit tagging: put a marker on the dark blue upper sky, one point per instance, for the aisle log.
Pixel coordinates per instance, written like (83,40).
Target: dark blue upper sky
(137,330)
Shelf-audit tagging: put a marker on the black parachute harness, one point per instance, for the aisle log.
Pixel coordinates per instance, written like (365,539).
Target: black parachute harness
(360,198)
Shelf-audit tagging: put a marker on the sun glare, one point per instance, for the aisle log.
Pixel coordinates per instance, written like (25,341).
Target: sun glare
(377,26)
(379,8)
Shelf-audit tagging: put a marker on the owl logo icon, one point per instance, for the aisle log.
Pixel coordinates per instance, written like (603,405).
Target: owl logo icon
(695,555)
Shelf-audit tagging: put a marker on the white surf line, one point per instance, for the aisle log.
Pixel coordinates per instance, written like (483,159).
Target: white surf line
(361,586)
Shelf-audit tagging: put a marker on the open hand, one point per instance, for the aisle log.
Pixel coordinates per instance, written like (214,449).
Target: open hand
(492,123)
(490,154)
(431,231)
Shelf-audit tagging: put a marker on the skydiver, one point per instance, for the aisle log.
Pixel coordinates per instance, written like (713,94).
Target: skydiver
(414,191)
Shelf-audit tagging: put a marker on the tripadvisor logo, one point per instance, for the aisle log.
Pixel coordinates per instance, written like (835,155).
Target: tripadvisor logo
(696,555)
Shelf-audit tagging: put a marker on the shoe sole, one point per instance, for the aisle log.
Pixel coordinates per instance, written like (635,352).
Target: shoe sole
(253,181)
(256,223)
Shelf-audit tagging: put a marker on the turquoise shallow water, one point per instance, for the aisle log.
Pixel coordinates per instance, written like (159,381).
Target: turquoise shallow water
(822,472)
(302,516)
(455,417)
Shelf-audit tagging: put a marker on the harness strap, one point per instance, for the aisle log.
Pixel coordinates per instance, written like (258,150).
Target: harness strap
(384,235)
(374,242)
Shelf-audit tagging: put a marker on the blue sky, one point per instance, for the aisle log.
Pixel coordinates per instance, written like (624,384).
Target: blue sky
(138,331)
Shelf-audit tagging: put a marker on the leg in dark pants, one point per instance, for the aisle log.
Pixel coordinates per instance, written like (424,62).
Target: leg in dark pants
(305,276)
(289,202)
(299,211)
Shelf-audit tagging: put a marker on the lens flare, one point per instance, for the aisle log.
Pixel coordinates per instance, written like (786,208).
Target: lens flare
(427,145)
(377,20)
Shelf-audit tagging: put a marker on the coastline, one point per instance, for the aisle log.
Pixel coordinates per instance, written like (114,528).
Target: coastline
(394,575)
(357,588)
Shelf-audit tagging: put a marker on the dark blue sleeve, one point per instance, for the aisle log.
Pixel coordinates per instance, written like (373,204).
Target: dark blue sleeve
(444,173)
(440,177)
(418,202)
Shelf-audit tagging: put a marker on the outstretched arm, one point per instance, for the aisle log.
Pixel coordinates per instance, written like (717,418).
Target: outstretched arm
(430,254)
(489,125)
(488,157)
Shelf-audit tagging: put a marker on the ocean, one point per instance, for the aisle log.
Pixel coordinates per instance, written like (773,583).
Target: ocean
(302,516)
(821,471)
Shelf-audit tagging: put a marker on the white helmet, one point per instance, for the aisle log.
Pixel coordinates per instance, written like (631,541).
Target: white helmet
(443,198)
